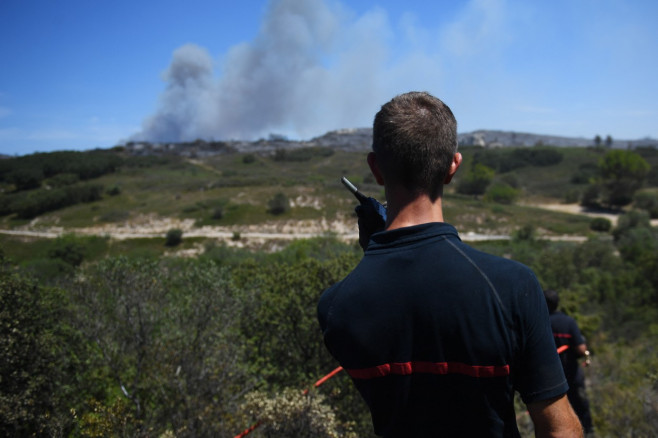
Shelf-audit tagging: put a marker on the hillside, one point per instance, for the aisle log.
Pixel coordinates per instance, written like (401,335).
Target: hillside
(360,140)
(172,290)
(225,196)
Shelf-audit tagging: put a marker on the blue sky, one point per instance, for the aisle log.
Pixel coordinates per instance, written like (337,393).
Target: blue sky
(79,74)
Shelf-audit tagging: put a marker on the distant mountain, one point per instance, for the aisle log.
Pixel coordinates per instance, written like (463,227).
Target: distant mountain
(360,139)
(492,138)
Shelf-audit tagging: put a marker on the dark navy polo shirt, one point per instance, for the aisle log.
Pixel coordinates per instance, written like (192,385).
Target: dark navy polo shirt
(566,332)
(437,336)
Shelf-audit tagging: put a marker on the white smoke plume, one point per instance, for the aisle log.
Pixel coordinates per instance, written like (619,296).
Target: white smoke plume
(312,68)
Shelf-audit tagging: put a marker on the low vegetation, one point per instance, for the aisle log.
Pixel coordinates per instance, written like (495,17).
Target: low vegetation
(104,337)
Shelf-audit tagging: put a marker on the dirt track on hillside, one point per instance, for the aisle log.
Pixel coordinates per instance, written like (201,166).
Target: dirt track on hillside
(344,228)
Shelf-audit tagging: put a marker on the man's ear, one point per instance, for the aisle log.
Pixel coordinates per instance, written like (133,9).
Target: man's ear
(374,168)
(456,161)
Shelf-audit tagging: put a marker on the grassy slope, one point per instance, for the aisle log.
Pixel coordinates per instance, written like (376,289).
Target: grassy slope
(241,189)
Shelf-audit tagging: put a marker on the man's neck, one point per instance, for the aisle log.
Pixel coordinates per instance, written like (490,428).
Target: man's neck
(405,210)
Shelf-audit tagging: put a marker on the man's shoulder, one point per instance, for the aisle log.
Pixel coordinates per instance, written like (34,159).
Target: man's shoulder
(561,316)
(492,262)
(326,301)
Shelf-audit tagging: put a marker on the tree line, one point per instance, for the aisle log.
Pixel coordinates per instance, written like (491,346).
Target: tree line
(611,183)
(43,182)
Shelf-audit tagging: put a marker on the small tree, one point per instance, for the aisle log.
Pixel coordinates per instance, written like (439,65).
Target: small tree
(647,201)
(502,194)
(590,197)
(631,220)
(279,204)
(218,212)
(174,237)
(597,140)
(476,180)
(526,233)
(600,224)
(622,173)
(41,361)
(67,248)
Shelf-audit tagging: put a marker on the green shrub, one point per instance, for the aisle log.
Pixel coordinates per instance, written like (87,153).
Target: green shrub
(218,212)
(68,248)
(572,196)
(41,362)
(526,232)
(63,179)
(647,201)
(507,160)
(628,221)
(585,174)
(279,204)
(174,237)
(476,180)
(249,158)
(25,178)
(501,193)
(600,224)
(114,190)
(7,202)
(590,197)
(114,216)
(302,154)
(292,413)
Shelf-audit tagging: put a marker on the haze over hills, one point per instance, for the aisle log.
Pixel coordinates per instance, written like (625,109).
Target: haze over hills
(360,139)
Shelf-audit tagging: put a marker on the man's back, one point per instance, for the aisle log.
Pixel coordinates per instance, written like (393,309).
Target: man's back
(437,335)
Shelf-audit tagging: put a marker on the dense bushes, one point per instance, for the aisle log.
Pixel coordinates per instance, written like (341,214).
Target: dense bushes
(302,154)
(28,171)
(600,224)
(647,201)
(41,361)
(31,204)
(508,159)
(45,182)
(179,344)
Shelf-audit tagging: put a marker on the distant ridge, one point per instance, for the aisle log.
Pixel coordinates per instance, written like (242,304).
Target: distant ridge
(360,140)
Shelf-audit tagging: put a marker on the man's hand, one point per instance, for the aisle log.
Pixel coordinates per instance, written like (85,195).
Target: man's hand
(372,218)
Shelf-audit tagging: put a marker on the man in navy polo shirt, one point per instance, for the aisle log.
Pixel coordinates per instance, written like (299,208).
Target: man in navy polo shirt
(437,336)
(567,335)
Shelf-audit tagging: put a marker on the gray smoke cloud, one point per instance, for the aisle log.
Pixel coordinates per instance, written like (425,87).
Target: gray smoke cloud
(313,67)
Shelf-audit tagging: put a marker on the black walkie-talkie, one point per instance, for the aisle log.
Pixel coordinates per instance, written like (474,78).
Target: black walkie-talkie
(352,188)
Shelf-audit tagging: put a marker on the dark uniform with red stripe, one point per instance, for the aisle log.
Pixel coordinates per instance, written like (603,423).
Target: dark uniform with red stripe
(437,335)
(567,333)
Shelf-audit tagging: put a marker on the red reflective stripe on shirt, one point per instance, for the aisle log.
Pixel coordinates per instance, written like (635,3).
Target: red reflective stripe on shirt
(562,348)
(561,335)
(407,368)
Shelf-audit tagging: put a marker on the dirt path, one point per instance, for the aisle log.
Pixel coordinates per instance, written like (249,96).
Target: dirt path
(151,226)
(577,209)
